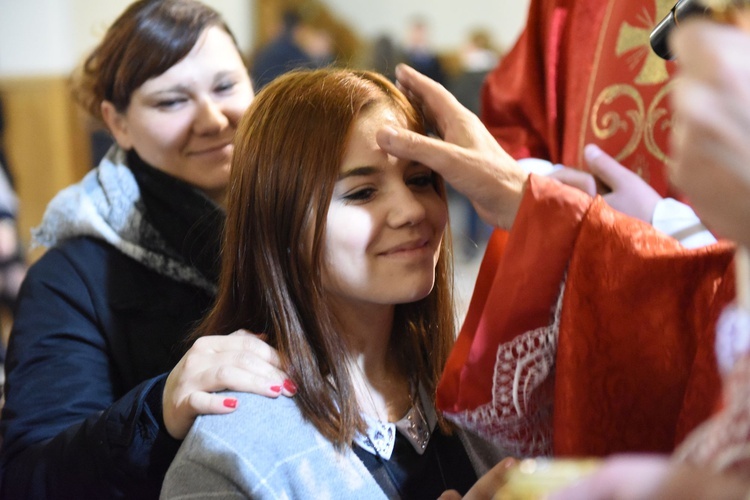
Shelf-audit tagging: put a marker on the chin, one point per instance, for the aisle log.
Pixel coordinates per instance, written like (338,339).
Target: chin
(417,293)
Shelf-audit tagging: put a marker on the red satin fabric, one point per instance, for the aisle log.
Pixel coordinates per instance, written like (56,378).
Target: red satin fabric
(634,368)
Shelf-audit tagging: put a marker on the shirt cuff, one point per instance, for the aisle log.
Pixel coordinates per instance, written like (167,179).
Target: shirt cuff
(680,222)
(538,166)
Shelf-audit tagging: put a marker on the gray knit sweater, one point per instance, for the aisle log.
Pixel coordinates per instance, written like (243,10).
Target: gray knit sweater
(265,449)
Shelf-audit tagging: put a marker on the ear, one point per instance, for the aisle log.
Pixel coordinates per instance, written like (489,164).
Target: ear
(117,125)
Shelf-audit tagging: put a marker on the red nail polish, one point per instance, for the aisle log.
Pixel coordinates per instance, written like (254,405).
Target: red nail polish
(290,386)
(230,403)
(276,388)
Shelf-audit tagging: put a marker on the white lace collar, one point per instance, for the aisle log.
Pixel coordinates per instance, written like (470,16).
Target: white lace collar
(416,426)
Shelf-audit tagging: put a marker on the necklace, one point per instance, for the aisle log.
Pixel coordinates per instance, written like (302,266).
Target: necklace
(416,429)
(414,426)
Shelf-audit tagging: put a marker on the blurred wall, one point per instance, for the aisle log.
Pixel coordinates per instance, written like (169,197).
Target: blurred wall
(449,20)
(48,37)
(45,37)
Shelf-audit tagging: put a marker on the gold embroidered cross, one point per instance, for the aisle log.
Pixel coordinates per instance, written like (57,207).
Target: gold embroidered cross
(633,41)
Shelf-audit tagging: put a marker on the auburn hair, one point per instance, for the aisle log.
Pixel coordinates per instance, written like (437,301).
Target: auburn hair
(288,151)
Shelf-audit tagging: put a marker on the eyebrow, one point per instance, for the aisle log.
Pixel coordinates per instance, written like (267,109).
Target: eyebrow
(369,170)
(226,73)
(359,172)
(169,90)
(180,88)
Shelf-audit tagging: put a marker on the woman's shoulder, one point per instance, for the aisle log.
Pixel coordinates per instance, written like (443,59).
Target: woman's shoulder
(266,449)
(78,248)
(98,262)
(253,441)
(261,429)
(89,270)
(258,418)
(86,254)
(75,260)
(81,259)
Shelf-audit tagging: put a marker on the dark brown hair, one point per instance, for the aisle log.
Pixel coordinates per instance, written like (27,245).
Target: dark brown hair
(288,152)
(148,38)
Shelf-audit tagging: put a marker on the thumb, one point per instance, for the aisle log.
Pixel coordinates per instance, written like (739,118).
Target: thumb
(408,145)
(450,495)
(604,167)
(487,485)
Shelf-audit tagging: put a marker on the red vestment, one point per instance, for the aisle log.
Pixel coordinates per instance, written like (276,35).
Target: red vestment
(583,72)
(623,362)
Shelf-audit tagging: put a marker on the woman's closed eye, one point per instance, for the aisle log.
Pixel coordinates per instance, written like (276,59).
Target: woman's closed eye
(225,87)
(363,194)
(422,180)
(171,103)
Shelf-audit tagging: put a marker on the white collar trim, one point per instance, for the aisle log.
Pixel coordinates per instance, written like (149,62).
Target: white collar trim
(416,426)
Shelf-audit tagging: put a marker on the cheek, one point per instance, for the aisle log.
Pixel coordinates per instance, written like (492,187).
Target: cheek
(343,263)
(168,132)
(237,106)
(176,133)
(437,212)
(349,234)
(349,231)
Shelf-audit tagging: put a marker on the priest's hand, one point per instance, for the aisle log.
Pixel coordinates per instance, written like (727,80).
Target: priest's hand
(468,157)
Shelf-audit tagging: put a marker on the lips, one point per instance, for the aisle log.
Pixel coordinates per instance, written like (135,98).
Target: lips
(209,149)
(408,247)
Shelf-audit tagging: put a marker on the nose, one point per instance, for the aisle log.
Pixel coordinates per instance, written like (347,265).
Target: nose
(210,117)
(407,209)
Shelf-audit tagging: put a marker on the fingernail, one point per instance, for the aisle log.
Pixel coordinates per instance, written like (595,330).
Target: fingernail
(390,131)
(276,388)
(386,135)
(591,152)
(230,403)
(290,386)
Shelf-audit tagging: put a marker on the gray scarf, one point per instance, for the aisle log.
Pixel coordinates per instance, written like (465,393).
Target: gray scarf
(106,205)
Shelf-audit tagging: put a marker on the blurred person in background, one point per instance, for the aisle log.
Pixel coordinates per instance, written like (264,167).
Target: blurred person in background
(12,254)
(299,44)
(418,52)
(384,56)
(476,59)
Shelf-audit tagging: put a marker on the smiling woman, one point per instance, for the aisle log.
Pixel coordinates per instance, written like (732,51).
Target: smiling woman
(98,397)
(338,251)
(182,121)
(367,261)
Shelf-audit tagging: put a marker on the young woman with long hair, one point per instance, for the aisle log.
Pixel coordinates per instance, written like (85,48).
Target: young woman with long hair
(340,253)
